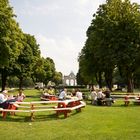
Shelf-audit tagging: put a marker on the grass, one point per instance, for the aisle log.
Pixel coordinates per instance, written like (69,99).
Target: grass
(93,123)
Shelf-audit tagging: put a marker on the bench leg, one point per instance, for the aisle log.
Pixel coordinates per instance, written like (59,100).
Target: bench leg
(78,110)
(126,103)
(65,113)
(4,114)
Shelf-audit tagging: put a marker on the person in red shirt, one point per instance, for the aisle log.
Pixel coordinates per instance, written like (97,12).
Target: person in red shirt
(126,100)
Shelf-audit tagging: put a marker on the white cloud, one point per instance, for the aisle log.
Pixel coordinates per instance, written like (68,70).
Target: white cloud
(64,52)
(59,26)
(39,10)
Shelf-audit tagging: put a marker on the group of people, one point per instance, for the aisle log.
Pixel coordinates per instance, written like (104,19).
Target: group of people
(98,96)
(5,98)
(47,92)
(75,93)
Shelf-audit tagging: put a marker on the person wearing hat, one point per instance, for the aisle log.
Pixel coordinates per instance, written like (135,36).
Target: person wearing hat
(3,99)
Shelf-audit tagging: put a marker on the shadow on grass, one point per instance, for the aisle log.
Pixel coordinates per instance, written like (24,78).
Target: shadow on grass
(37,117)
(33,96)
(114,105)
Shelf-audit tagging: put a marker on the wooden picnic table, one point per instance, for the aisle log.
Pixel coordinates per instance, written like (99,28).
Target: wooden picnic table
(49,97)
(62,107)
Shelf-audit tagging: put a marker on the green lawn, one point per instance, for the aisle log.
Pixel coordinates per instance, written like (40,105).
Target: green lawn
(93,123)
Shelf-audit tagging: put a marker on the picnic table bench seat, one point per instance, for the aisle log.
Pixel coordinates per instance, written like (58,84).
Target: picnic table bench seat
(107,101)
(63,107)
(136,102)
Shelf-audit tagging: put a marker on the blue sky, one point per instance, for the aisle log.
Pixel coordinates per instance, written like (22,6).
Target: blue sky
(59,26)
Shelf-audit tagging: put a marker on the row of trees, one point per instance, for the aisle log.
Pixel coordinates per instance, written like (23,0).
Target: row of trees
(112,48)
(20,54)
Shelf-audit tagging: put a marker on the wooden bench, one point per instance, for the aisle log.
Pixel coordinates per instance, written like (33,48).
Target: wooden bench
(63,107)
(48,98)
(128,101)
(136,102)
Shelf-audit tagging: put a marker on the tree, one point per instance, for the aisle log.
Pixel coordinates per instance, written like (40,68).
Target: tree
(113,41)
(27,58)
(10,40)
(39,73)
(49,68)
(125,41)
(57,78)
(43,70)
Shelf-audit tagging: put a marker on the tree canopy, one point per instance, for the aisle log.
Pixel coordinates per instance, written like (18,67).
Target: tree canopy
(19,52)
(113,41)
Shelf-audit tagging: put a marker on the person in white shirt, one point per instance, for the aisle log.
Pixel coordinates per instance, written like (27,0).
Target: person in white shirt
(100,97)
(94,97)
(3,99)
(20,97)
(63,94)
(79,94)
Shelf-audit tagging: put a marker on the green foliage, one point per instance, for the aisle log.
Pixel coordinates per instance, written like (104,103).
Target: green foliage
(10,36)
(20,54)
(113,41)
(10,40)
(44,71)
(57,78)
(27,58)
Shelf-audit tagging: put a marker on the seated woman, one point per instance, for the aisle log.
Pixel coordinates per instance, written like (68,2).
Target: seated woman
(20,97)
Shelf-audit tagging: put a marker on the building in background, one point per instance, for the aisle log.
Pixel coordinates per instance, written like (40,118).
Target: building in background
(70,80)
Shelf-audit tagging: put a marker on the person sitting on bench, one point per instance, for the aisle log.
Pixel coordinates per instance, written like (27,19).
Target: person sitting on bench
(100,97)
(20,97)
(3,100)
(63,94)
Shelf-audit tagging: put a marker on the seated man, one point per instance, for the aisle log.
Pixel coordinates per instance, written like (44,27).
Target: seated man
(108,99)
(63,94)
(3,101)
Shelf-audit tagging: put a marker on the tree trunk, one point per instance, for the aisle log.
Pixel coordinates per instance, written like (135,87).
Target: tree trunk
(108,78)
(99,79)
(20,82)
(130,83)
(3,79)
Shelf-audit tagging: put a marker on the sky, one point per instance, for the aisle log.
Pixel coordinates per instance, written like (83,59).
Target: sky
(59,27)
